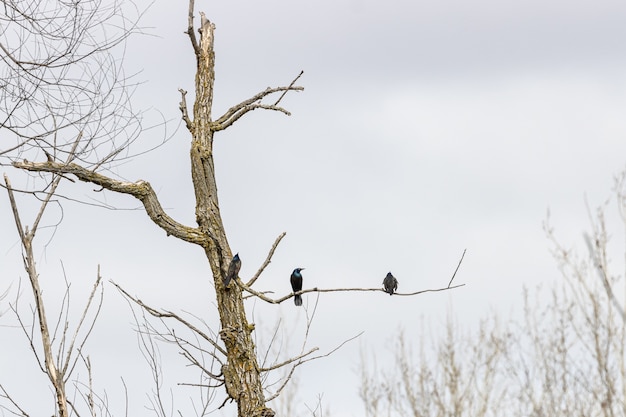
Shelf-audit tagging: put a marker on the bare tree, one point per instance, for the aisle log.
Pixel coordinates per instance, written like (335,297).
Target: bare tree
(65,98)
(56,337)
(61,80)
(67,104)
(458,375)
(582,344)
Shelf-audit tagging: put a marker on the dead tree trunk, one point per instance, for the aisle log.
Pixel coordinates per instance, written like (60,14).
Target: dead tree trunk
(242,373)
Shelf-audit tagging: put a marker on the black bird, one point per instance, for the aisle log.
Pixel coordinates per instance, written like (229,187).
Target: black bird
(296,285)
(390,283)
(233,269)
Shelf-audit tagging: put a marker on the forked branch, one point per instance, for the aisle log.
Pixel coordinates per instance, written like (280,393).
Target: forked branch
(59,370)
(290,360)
(303,357)
(288,88)
(142,190)
(234,113)
(190,32)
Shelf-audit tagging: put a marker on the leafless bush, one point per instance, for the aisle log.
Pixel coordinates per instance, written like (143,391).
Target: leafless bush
(565,358)
(458,375)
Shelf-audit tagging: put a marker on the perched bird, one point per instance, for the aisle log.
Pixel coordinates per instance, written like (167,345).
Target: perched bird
(233,269)
(390,283)
(296,285)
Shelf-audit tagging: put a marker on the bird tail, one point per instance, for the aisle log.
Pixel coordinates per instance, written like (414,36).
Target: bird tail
(297,299)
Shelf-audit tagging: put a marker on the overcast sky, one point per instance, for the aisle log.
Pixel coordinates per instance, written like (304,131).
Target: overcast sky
(425,128)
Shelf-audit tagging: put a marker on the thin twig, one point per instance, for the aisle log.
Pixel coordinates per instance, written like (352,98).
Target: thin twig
(16,214)
(267,260)
(290,85)
(283,385)
(457,268)
(271,343)
(6,395)
(168,314)
(290,360)
(90,402)
(96,285)
(335,349)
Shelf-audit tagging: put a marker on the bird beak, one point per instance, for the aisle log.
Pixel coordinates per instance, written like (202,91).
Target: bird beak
(302,269)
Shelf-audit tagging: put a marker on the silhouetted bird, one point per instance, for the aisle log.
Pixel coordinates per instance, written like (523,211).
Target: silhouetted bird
(296,285)
(233,270)
(390,283)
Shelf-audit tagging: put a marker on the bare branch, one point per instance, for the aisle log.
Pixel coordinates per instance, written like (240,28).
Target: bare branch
(301,361)
(288,88)
(235,112)
(6,395)
(597,252)
(318,406)
(193,360)
(190,32)
(287,378)
(267,260)
(90,400)
(29,336)
(62,76)
(335,349)
(168,314)
(183,109)
(221,126)
(457,267)
(284,384)
(288,361)
(70,348)
(142,190)
(263,297)
(53,373)
(16,214)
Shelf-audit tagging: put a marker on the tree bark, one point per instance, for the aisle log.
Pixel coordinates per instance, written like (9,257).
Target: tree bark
(241,373)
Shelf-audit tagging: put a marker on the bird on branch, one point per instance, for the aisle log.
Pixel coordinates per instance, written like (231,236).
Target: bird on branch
(233,269)
(390,283)
(296,285)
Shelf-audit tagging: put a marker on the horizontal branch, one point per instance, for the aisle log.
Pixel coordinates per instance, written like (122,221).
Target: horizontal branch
(235,112)
(265,298)
(216,126)
(142,190)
